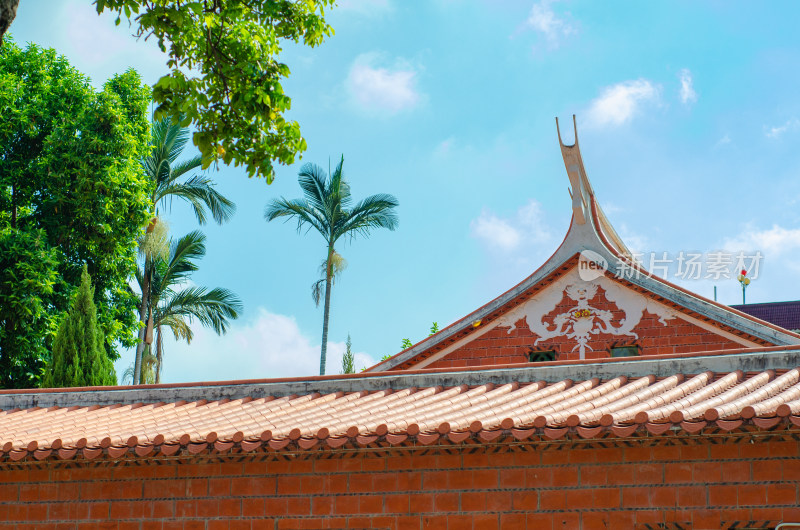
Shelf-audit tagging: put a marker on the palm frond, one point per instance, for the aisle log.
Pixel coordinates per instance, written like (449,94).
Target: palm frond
(178,325)
(199,192)
(300,210)
(338,186)
(212,308)
(181,168)
(313,182)
(181,263)
(376,211)
(163,169)
(317,289)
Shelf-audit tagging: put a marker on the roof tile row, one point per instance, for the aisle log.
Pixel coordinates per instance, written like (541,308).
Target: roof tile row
(419,415)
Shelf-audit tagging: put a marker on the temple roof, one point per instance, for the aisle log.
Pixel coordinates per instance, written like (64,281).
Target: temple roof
(685,395)
(591,239)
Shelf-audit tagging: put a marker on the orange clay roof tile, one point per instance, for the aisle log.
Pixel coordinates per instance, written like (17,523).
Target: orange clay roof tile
(433,414)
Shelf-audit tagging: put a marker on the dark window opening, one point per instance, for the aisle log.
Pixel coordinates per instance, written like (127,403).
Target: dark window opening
(625,351)
(541,356)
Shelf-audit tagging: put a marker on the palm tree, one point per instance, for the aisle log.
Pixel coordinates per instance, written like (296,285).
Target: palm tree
(326,206)
(162,168)
(174,306)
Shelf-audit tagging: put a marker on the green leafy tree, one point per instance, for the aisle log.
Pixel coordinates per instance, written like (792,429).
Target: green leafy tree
(79,356)
(175,306)
(328,207)
(72,187)
(171,180)
(348,359)
(27,321)
(225,76)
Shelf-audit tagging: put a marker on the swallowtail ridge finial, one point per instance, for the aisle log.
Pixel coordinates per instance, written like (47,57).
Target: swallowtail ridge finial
(581,189)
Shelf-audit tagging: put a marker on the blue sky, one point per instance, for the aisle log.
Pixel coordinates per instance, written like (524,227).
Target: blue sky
(689,123)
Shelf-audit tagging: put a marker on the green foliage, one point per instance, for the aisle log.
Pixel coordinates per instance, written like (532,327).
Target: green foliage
(167,142)
(166,174)
(407,342)
(386,357)
(173,305)
(348,359)
(79,356)
(225,76)
(328,207)
(27,320)
(71,180)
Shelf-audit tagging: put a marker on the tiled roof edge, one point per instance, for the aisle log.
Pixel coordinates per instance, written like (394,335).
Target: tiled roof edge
(768,358)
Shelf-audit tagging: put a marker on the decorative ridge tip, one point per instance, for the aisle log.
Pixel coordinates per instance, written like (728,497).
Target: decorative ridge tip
(575,127)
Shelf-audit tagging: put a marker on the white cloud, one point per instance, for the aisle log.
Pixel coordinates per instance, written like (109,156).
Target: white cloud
(382,89)
(96,46)
(268,345)
(619,103)
(688,95)
(525,226)
(635,241)
(544,21)
(771,242)
(725,140)
(777,132)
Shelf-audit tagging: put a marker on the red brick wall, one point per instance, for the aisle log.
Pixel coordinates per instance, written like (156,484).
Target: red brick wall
(488,486)
(500,347)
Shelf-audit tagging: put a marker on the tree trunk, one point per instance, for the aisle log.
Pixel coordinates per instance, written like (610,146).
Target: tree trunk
(143,307)
(159,353)
(8,10)
(326,314)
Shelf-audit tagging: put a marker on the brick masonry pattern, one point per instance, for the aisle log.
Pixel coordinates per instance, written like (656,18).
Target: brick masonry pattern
(680,484)
(498,346)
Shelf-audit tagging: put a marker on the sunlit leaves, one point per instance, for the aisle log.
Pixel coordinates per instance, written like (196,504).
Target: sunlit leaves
(225,76)
(70,180)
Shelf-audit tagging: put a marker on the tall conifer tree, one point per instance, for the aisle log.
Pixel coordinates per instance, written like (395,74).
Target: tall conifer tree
(79,357)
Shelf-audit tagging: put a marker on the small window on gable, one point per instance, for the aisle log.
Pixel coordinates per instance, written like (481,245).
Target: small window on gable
(541,356)
(625,351)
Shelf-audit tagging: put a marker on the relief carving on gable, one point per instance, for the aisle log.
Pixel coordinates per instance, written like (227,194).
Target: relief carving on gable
(581,320)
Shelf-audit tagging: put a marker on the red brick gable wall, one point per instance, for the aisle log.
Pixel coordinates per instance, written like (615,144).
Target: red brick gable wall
(498,346)
(694,484)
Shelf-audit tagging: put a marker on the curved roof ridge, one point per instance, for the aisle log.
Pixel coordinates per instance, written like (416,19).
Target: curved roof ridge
(590,230)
